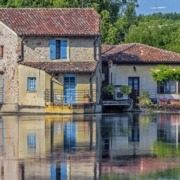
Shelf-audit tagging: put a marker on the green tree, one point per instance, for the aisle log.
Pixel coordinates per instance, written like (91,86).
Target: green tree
(158,33)
(174,44)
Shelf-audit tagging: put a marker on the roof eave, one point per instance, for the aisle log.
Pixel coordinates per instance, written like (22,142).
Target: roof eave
(61,35)
(144,63)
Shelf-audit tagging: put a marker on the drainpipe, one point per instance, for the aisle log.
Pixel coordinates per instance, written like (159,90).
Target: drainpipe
(51,90)
(97,44)
(97,40)
(91,88)
(21,58)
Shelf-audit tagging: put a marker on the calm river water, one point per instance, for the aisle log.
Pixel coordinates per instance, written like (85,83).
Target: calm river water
(90,147)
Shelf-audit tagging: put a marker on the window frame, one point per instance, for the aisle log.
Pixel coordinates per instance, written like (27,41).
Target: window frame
(35,85)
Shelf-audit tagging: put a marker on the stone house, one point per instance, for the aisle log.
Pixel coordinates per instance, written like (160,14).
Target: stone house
(131,64)
(49,59)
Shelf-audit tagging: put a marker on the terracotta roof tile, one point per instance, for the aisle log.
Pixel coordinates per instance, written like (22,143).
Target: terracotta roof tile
(139,54)
(51,21)
(64,67)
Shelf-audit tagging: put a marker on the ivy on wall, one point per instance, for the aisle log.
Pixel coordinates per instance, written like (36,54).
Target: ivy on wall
(165,73)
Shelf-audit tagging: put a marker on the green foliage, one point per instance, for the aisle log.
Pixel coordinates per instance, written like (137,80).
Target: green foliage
(173,174)
(155,31)
(166,73)
(126,90)
(165,150)
(109,89)
(144,99)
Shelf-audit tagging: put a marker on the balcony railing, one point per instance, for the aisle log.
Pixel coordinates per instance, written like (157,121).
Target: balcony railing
(59,97)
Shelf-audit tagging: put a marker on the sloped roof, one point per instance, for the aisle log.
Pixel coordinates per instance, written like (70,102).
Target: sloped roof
(137,53)
(51,21)
(64,67)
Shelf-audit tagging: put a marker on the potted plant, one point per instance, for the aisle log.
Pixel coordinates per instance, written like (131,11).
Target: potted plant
(125,90)
(108,92)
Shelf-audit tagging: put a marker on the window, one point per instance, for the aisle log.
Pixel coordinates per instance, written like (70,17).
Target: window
(31,141)
(31,84)
(59,49)
(1,51)
(168,87)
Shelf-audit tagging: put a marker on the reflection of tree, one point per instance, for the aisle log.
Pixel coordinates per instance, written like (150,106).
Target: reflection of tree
(168,174)
(164,150)
(146,119)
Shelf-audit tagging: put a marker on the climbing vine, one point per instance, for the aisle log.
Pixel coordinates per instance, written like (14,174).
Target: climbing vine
(165,73)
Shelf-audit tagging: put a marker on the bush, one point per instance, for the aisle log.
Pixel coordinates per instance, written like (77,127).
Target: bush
(126,90)
(109,90)
(144,99)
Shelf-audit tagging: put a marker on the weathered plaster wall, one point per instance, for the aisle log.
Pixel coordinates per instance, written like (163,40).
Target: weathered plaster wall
(120,74)
(27,98)
(8,65)
(37,49)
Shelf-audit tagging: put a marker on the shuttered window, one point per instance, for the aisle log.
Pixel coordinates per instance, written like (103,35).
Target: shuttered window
(31,83)
(1,51)
(58,49)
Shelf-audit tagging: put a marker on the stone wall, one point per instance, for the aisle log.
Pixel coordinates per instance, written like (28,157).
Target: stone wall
(8,66)
(37,49)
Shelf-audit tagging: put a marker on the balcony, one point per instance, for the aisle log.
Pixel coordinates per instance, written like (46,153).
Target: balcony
(70,97)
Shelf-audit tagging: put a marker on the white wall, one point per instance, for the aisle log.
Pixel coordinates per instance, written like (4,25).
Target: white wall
(120,74)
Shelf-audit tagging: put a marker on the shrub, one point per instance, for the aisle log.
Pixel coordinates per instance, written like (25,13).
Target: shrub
(144,99)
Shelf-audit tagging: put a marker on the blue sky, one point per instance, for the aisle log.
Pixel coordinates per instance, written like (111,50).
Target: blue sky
(153,6)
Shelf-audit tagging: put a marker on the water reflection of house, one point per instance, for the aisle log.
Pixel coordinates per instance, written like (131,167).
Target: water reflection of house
(25,151)
(9,148)
(126,135)
(128,141)
(31,137)
(169,128)
(68,133)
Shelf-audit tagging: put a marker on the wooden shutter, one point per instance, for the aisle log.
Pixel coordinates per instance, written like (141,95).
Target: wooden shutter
(53,49)
(63,52)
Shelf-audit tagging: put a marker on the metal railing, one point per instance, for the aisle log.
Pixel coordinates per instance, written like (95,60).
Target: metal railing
(60,97)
